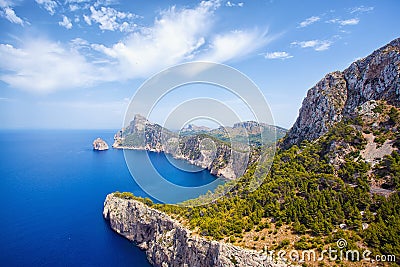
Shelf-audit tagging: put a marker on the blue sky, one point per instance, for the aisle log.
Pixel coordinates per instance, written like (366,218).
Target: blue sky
(76,63)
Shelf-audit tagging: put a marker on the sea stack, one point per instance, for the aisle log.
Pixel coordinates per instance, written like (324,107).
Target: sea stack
(99,144)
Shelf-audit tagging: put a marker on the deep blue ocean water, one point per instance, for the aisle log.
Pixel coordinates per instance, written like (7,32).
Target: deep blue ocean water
(52,189)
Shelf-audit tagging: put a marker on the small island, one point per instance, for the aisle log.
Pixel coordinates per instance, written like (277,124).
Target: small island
(99,144)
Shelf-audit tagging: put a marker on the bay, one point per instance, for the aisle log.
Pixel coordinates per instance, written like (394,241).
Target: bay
(52,189)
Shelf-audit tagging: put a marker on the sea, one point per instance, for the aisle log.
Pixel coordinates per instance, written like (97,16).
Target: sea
(52,190)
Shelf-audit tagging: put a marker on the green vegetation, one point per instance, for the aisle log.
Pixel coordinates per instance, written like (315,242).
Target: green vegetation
(316,199)
(390,168)
(129,195)
(304,191)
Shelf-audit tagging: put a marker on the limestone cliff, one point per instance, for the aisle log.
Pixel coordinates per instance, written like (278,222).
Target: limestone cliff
(225,152)
(168,243)
(338,94)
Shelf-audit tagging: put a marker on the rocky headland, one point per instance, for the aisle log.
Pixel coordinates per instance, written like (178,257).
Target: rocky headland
(225,152)
(168,243)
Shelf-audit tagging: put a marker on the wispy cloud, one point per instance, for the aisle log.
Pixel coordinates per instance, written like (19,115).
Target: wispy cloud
(42,65)
(66,22)
(317,45)
(7,12)
(225,47)
(278,55)
(49,5)
(232,4)
(309,21)
(354,21)
(361,9)
(110,19)
(346,22)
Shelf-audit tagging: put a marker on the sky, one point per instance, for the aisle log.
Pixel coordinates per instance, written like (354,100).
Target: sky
(75,64)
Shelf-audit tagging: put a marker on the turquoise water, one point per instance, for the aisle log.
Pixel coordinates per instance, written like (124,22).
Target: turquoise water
(52,189)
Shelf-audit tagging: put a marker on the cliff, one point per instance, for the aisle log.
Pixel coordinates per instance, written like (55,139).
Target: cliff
(338,94)
(225,152)
(168,243)
(99,144)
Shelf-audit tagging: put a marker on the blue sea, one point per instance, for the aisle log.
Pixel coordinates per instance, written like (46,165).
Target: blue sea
(52,189)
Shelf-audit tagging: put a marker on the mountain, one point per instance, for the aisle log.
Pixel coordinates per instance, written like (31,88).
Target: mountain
(338,94)
(225,152)
(334,184)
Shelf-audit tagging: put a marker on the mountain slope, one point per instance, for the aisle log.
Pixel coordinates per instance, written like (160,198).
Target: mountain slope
(335,176)
(375,77)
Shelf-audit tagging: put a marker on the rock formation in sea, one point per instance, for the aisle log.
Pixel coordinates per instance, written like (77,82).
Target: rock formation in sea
(168,243)
(99,144)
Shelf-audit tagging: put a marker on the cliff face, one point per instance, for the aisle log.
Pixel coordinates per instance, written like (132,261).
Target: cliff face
(168,243)
(338,94)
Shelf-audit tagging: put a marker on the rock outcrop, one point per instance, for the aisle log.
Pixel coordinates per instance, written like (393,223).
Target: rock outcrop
(99,144)
(338,94)
(168,243)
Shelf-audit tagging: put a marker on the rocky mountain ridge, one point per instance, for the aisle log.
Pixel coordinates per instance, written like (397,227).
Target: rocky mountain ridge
(338,94)
(225,152)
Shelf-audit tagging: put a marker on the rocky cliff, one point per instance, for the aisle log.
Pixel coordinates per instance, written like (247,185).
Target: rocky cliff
(99,144)
(338,94)
(168,243)
(225,152)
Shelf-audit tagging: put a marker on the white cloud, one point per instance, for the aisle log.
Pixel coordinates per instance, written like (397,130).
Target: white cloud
(111,19)
(66,22)
(176,36)
(8,12)
(43,66)
(87,19)
(361,9)
(225,47)
(105,2)
(49,5)
(10,15)
(231,4)
(309,21)
(353,21)
(317,45)
(277,55)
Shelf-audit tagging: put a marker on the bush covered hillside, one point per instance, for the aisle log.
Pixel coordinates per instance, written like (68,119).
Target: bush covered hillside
(315,193)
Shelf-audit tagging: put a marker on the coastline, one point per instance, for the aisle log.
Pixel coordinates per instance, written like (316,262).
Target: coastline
(168,243)
(192,162)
